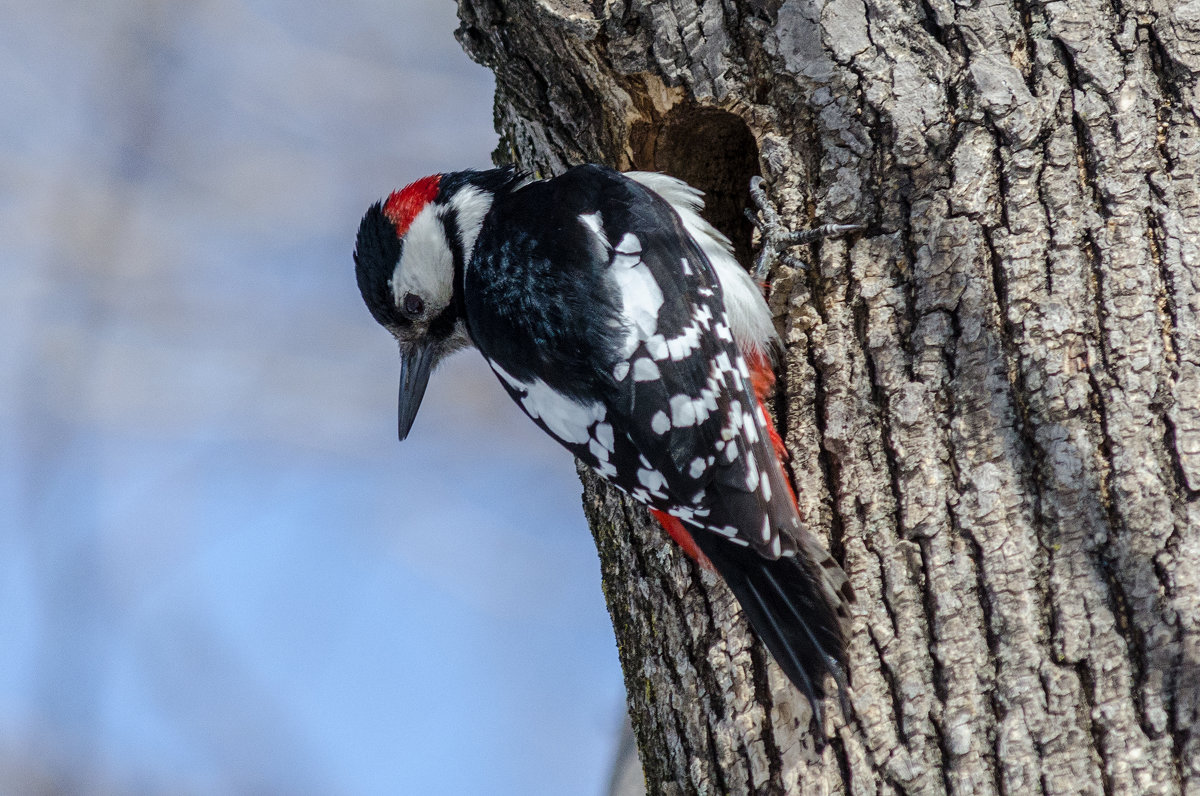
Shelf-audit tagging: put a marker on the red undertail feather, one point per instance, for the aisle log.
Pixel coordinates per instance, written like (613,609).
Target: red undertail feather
(403,205)
(762,378)
(682,537)
(762,375)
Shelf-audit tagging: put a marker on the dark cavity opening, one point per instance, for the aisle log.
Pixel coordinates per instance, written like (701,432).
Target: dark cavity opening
(714,151)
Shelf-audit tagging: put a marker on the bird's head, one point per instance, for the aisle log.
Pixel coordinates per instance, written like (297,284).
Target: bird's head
(409,258)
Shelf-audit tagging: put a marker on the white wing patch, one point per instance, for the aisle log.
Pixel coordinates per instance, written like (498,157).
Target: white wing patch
(653,481)
(641,297)
(564,417)
(657,346)
(660,423)
(683,345)
(604,435)
(592,221)
(748,312)
(683,411)
(471,205)
(644,369)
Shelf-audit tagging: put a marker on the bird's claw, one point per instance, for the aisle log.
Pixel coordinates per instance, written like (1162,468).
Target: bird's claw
(775,239)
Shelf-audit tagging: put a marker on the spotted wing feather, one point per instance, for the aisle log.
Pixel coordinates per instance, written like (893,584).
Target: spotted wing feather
(647,385)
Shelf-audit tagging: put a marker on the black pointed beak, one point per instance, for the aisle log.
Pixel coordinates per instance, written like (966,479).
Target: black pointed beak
(416,360)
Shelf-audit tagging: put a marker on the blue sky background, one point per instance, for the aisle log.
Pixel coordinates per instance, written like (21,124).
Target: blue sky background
(219,570)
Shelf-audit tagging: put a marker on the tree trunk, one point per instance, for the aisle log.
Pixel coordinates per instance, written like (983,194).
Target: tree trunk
(991,395)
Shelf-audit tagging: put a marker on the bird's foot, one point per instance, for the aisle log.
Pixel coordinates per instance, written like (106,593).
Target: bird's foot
(775,239)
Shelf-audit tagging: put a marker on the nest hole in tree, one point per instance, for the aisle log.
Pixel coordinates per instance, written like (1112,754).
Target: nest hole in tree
(714,151)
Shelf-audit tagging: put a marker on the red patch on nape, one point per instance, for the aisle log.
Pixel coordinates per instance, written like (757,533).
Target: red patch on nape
(403,205)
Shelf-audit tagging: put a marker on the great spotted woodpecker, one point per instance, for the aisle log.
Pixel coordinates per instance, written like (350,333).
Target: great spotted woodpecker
(621,323)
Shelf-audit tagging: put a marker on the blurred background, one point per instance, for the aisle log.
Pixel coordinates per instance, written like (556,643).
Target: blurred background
(220,572)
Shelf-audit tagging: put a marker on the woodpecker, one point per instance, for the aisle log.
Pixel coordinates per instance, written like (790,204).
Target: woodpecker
(621,323)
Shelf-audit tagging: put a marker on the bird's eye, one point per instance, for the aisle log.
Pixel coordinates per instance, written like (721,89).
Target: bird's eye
(413,305)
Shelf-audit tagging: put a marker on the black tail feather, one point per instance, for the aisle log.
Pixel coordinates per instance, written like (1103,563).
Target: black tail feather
(788,607)
(772,635)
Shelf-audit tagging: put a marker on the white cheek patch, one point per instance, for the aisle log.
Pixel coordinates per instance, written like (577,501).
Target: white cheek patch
(426,265)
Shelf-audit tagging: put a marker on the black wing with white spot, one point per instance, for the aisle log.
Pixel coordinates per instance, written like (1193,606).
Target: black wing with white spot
(606,323)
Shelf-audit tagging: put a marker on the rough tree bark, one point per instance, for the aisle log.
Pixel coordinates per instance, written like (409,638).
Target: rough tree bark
(991,395)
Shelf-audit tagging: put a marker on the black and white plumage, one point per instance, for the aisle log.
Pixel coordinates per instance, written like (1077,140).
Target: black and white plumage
(622,325)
